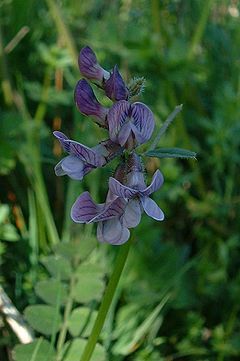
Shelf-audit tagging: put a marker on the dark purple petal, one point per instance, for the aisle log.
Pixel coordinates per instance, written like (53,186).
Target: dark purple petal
(112,232)
(132,214)
(143,122)
(117,116)
(152,209)
(115,87)
(120,190)
(73,167)
(84,209)
(113,209)
(157,182)
(87,103)
(89,66)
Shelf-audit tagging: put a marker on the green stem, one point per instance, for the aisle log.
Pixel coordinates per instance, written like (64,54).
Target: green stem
(106,302)
(68,309)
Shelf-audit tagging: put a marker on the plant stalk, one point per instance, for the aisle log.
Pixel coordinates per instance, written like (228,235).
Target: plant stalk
(106,302)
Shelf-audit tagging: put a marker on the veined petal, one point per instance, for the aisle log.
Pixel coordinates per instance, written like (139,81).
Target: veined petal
(84,209)
(62,137)
(152,209)
(87,103)
(117,116)
(112,232)
(89,66)
(87,154)
(143,120)
(132,214)
(112,209)
(121,190)
(73,167)
(115,87)
(91,156)
(124,133)
(157,182)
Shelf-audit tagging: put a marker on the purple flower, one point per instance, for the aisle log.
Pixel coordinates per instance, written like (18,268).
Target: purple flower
(136,192)
(87,103)
(115,87)
(108,215)
(89,66)
(130,124)
(81,159)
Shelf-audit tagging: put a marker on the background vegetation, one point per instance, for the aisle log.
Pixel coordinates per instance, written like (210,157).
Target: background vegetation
(179,295)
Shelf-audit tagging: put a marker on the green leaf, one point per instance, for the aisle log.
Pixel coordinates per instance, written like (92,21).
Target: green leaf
(52,291)
(80,248)
(88,288)
(77,347)
(58,267)
(90,283)
(38,350)
(171,153)
(44,319)
(81,321)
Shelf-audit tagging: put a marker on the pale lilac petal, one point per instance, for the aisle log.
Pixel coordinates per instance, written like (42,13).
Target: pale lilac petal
(152,209)
(117,116)
(135,180)
(132,214)
(84,209)
(157,182)
(89,66)
(115,87)
(112,232)
(112,209)
(143,120)
(120,190)
(59,170)
(71,166)
(87,103)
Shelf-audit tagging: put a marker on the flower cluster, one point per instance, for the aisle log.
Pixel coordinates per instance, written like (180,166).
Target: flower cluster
(128,125)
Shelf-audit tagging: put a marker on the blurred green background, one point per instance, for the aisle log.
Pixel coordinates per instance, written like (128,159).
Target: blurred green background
(179,295)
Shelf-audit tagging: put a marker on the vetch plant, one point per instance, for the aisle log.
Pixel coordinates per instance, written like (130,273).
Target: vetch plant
(128,125)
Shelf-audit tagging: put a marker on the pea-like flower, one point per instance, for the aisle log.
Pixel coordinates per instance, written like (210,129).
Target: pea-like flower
(130,124)
(135,190)
(115,87)
(108,215)
(138,194)
(82,159)
(89,66)
(88,104)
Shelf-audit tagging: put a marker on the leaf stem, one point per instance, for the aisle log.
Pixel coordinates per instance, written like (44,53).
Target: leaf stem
(68,309)
(106,302)
(165,125)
